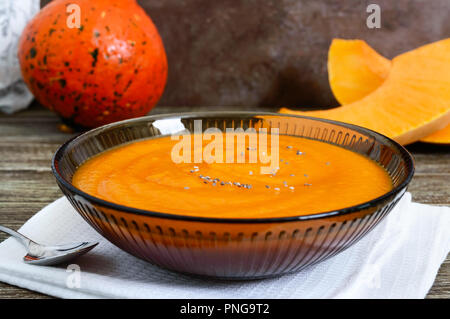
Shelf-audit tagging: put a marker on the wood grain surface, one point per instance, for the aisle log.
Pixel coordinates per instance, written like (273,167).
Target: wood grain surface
(29,138)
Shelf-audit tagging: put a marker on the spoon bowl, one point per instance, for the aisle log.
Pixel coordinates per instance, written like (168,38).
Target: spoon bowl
(43,255)
(54,255)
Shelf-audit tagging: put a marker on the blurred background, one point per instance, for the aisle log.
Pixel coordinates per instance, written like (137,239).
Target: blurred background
(271,53)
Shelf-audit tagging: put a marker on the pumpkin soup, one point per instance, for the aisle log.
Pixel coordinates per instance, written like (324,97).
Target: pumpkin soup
(310,177)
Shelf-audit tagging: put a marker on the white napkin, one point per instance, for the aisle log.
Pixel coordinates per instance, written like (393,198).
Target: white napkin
(398,259)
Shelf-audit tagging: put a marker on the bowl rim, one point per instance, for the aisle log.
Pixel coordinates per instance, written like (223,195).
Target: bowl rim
(333,213)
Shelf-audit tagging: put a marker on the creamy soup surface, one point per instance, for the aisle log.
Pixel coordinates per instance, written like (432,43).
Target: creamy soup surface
(312,177)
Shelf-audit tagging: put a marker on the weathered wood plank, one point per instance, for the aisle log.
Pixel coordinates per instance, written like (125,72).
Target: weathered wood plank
(21,186)
(441,287)
(26,156)
(431,189)
(12,292)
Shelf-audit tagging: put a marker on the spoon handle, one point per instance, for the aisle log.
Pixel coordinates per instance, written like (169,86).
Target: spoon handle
(24,240)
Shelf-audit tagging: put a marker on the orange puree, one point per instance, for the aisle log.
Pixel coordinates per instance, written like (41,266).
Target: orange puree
(313,177)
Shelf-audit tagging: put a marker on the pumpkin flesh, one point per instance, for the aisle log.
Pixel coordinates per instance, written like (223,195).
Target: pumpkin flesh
(413,101)
(355,70)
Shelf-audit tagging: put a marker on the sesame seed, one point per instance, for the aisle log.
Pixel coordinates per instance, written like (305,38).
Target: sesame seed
(306,175)
(299,153)
(291,187)
(281,160)
(195,167)
(276,188)
(250,173)
(267,186)
(292,175)
(289,147)
(327,163)
(249,186)
(286,163)
(186,187)
(222,183)
(192,171)
(307,184)
(214,184)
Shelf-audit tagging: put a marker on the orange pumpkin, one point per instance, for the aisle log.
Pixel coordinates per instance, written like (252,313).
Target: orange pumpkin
(112,67)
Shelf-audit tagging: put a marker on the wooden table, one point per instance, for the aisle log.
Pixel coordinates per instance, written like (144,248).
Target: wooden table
(29,138)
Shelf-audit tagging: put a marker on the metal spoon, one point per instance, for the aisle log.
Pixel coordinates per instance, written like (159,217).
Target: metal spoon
(49,255)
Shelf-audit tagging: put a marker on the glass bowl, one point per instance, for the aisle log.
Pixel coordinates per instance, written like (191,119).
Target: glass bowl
(233,248)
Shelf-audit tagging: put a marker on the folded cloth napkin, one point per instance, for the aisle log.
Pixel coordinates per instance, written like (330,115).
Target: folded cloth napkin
(398,259)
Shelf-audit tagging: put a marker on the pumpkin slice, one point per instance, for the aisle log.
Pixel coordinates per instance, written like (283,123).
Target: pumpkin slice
(355,69)
(413,101)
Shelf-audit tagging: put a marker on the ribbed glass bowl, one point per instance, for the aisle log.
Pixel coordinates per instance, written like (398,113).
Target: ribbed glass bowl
(225,247)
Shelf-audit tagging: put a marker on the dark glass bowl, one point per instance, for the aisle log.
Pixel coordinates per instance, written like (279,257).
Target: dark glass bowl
(226,247)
